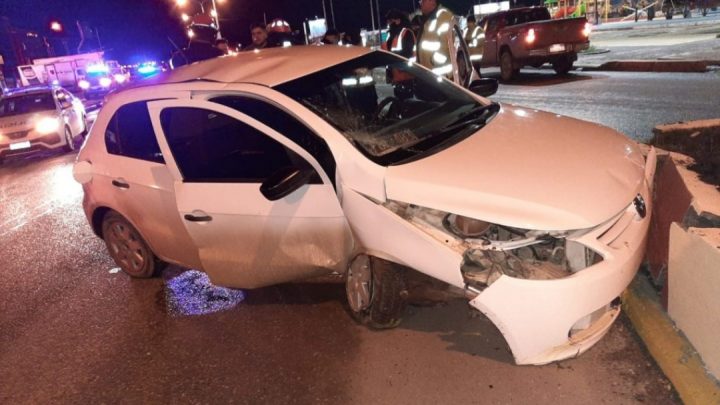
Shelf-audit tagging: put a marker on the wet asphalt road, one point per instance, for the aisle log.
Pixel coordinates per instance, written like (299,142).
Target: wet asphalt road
(632,103)
(73,330)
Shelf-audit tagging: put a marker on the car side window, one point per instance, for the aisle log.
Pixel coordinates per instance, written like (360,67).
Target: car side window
(130,133)
(286,125)
(492,24)
(212,147)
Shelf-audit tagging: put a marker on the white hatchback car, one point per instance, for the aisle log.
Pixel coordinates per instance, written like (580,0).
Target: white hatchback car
(40,118)
(285,164)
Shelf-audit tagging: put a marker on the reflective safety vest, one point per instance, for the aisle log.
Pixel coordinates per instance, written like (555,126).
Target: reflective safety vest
(397,43)
(475,40)
(433,48)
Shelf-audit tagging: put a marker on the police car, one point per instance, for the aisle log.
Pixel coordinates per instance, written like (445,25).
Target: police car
(40,118)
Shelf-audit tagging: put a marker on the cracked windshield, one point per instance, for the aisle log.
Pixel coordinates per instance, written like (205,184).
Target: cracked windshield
(391,109)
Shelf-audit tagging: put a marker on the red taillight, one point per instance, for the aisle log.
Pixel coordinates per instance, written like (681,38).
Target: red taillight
(588,28)
(530,37)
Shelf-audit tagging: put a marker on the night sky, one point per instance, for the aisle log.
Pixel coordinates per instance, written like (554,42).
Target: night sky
(137,30)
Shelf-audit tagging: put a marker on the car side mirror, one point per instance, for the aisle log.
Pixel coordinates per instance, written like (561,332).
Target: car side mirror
(285,181)
(484,87)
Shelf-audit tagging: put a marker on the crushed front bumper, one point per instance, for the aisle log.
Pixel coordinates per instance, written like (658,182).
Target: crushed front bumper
(549,320)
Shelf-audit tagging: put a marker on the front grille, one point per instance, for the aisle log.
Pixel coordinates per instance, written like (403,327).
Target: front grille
(18,135)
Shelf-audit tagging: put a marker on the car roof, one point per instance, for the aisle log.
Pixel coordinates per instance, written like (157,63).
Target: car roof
(269,67)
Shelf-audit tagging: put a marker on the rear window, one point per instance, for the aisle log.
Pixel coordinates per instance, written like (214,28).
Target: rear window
(525,16)
(130,133)
(28,103)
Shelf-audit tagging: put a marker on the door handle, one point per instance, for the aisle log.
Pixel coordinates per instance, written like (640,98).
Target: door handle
(198,218)
(120,184)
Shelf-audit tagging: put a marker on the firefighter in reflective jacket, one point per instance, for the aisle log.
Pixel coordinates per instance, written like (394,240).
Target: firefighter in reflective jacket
(401,39)
(433,50)
(475,39)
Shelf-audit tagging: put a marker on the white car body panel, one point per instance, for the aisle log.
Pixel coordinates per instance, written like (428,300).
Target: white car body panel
(302,235)
(541,186)
(383,234)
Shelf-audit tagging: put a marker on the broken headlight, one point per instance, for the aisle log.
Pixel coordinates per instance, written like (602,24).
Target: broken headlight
(492,250)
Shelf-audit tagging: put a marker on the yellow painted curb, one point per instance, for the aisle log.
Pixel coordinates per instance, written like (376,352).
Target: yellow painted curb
(672,351)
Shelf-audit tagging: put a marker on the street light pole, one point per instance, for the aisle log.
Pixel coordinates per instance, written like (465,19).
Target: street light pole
(217,18)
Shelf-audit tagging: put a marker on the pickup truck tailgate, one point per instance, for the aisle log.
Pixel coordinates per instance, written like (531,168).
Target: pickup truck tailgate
(552,32)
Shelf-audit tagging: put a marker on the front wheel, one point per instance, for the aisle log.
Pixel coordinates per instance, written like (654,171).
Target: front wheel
(507,66)
(128,248)
(376,292)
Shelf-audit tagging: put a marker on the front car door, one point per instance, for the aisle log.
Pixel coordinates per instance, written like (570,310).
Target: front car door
(220,157)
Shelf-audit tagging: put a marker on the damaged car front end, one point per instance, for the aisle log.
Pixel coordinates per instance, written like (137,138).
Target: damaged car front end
(541,219)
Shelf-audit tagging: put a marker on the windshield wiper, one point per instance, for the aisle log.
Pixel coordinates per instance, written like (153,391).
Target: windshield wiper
(477,116)
(476,113)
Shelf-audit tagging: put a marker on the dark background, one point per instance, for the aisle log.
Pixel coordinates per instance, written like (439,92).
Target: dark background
(137,30)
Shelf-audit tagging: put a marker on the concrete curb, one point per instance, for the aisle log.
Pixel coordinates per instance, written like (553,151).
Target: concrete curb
(670,349)
(676,66)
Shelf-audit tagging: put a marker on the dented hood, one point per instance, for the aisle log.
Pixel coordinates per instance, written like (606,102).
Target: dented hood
(527,169)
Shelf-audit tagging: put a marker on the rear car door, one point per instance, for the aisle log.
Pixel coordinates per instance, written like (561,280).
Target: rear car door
(220,157)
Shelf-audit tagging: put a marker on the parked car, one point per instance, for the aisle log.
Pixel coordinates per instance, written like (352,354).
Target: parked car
(290,163)
(40,118)
(528,37)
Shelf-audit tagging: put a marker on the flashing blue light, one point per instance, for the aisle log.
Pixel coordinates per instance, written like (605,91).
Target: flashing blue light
(97,69)
(147,69)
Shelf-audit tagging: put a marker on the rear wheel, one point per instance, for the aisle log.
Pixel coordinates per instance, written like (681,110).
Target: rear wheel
(85,126)
(376,292)
(651,13)
(669,13)
(69,140)
(563,66)
(686,13)
(128,248)
(507,66)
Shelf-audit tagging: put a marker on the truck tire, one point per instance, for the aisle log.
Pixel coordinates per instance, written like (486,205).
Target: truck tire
(507,66)
(376,291)
(563,66)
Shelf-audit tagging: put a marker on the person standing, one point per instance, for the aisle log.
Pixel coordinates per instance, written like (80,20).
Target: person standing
(259,35)
(433,43)
(475,38)
(401,38)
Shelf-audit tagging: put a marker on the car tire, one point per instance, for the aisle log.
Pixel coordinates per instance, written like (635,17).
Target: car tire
(507,66)
(128,248)
(563,66)
(669,13)
(69,140)
(376,292)
(704,12)
(651,13)
(85,126)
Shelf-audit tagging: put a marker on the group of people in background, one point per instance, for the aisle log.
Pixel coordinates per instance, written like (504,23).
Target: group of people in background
(426,37)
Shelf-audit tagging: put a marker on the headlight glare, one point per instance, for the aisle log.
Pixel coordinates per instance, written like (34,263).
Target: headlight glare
(47,125)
